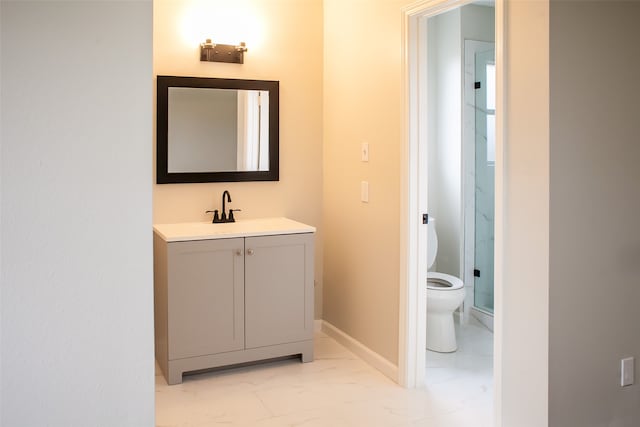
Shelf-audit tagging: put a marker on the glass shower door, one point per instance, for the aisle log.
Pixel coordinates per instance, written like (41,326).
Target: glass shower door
(485,154)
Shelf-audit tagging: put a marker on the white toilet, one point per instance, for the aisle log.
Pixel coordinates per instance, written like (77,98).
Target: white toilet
(445,293)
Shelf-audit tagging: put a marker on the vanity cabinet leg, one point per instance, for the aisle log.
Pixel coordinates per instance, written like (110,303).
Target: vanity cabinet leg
(307,354)
(175,377)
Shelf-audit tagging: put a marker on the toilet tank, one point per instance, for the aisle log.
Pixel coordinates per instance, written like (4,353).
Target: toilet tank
(432,242)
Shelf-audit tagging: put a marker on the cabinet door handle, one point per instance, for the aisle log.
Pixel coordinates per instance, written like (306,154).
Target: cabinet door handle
(250,252)
(239,252)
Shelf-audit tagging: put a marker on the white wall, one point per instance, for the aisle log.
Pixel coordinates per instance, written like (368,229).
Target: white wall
(478,23)
(595,238)
(445,189)
(76,268)
(433,171)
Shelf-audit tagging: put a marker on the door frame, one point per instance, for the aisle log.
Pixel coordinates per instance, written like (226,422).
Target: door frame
(413,195)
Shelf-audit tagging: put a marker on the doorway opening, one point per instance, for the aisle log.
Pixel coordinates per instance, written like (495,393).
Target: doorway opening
(452,168)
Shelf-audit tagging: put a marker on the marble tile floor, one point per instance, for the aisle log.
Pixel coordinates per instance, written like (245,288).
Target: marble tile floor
(337,389)
(465,378)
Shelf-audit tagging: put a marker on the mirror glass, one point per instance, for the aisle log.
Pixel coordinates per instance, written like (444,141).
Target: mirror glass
(218,130)
(213,130)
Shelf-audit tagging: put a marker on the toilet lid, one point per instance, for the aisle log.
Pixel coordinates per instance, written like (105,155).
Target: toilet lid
(443,282)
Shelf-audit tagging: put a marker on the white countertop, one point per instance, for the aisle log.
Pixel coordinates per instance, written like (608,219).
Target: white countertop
(241,228)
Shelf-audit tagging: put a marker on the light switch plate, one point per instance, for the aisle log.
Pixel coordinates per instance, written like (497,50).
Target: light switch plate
(365,152)
(364,191)
(627,372)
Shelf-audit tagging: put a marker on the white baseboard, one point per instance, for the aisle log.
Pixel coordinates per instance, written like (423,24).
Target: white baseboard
(317,325)
(360,350)
(484,318)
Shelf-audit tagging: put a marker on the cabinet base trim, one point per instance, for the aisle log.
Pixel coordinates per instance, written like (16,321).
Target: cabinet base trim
(361,350)
(178,367)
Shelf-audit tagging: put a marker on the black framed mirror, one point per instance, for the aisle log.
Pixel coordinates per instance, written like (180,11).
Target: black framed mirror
(217,130)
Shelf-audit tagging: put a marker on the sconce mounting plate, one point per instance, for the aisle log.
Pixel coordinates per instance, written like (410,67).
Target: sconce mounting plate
(229,53)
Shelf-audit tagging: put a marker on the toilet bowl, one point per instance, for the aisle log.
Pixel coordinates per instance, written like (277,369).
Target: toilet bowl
(445,293)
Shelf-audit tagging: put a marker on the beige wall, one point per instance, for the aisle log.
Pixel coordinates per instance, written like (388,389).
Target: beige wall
(363,78)
(523,305)
(362,103)
(284,38)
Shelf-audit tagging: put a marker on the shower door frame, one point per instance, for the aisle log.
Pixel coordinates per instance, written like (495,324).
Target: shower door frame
(471,48)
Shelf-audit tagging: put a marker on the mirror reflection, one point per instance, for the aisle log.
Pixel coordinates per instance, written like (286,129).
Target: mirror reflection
(217,130)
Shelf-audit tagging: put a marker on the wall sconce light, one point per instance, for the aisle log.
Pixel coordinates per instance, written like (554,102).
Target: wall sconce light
(212,52)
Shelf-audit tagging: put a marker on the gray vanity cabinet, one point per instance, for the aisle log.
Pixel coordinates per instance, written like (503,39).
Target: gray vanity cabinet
(206,297)
(224,301)
(278,289)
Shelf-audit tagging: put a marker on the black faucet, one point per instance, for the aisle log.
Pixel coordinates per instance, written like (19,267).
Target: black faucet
(223,218)
(226,197)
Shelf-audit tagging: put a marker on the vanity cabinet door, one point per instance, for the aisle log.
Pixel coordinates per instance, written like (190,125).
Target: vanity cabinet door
(278,289)
(205,297)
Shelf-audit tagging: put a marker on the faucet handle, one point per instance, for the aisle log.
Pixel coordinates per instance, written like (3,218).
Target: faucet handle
(216,218)
(231,218)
